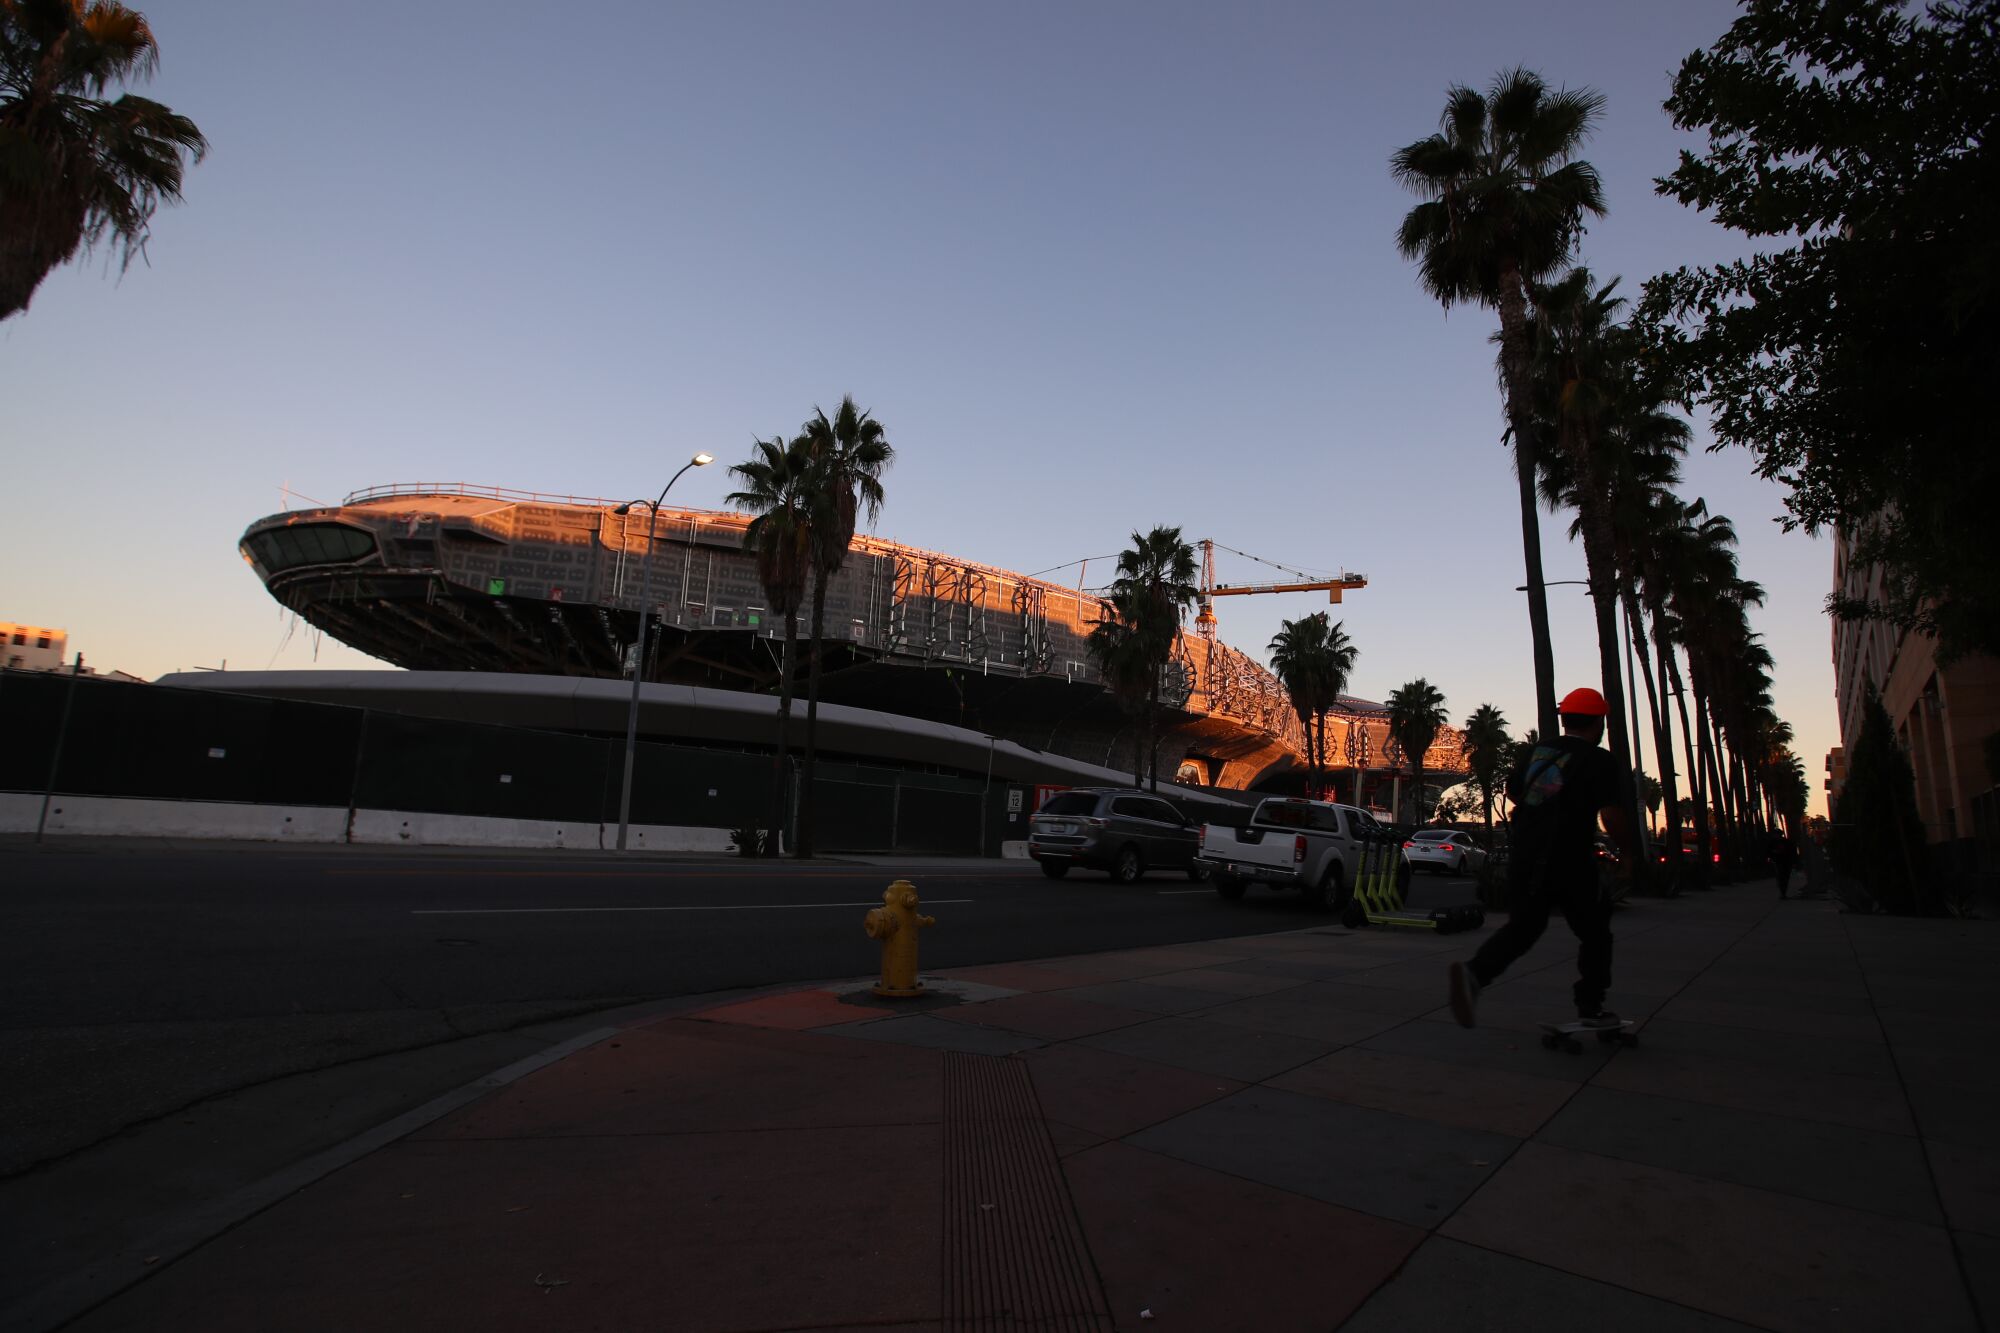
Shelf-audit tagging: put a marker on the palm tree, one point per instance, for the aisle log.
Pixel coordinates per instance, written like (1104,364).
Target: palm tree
(776,489)
(1504,201)
(74,168)
(1487,746)
(1416,711)
(1312,658)
(845,457)
(1149,598)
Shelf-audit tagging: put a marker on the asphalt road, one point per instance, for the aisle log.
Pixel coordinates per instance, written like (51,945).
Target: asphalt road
(133,983)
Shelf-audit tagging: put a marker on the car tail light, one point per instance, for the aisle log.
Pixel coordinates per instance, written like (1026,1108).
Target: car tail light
(1408,845)
(1299,848)
(1717,858)
(1201,839)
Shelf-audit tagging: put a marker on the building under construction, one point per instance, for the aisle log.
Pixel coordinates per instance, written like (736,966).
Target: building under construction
(452,577)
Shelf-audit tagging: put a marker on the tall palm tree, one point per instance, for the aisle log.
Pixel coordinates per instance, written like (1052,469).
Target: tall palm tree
(1312,658)
(845,458)
(1416,711)
(1505,196)
(1149,598)
(777,489)
(1487,746)
(1295,651)
(74,168)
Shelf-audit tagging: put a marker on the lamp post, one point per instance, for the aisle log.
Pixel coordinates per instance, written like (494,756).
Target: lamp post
(639,657)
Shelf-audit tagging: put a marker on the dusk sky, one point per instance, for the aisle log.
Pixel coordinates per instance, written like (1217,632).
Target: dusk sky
(1095,267)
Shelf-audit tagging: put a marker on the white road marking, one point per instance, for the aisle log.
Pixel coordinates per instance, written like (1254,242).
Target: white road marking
(698,907)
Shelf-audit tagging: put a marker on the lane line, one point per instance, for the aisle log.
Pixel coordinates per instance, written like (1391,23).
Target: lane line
(698,907)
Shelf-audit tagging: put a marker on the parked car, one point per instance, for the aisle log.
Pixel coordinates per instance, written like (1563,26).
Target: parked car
(1447,851)
(1293,843)
(1117,829)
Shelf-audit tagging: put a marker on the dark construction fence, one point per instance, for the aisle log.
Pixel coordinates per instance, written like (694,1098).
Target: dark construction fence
(147,741)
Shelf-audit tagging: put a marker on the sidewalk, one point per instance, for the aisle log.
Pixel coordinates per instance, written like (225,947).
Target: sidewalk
(1269,1133)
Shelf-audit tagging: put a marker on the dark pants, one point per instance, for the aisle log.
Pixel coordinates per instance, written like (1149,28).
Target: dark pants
(1784,869)
(1588,911)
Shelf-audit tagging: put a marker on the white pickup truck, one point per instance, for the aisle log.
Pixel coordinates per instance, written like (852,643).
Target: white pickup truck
(1308,845)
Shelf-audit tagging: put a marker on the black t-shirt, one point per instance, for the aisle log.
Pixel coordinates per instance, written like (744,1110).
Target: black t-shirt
(1557,791)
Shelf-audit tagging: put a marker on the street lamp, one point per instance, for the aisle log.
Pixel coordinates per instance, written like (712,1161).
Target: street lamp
(639,659)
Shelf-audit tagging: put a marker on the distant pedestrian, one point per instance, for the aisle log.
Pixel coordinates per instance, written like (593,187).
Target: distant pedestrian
(1781,855)
(1560,791)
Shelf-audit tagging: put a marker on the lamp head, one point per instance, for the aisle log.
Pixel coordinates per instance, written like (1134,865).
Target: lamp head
(702,460)
(623,509)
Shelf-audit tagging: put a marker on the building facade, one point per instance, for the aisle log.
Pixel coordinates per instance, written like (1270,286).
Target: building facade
(1943,715)
(32,647)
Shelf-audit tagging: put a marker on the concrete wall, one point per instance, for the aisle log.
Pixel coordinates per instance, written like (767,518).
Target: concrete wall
(101,816)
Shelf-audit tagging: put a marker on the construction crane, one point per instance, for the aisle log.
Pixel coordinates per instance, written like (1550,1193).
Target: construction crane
(1204,620)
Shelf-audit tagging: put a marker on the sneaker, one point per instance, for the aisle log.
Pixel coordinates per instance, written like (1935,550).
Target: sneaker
(1602,1018)
(1465,990)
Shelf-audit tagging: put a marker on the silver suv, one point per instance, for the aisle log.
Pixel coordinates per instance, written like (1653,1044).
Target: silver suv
(1118,829)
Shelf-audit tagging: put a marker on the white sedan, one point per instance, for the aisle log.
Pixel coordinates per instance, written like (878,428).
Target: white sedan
(1446,851)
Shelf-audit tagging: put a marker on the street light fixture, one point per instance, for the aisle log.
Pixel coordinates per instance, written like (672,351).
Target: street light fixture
(639,657)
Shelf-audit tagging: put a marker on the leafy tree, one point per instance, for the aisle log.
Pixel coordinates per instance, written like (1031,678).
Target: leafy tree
(1153,590)
(777,488)
(1312,658)
(74,168)
(1855,362)
(1505,196)
(1878,837)
(1487,751)
(1650,793)
(1416,711)
(845,458)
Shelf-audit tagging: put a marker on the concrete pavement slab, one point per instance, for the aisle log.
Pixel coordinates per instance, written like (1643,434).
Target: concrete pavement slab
(1503,1048)
(1450,1094)
(1115,1095)
(1050,1016)
(1952,1094)
(1285,1012)
(1673,1067)
(1777,997)
(1147,996)
(1802,1019)
(1391,1166)
(1968,1180)
(1226,983)
(1864,1057)
(1980,1257)
(1451,1285)
(1766,1259)
(1020,976)
(1175,957)
(1856,1168)
(933,1033)
(1290,967)
(1395,1002)
(1205,1251)
(1211,1048)
(708,1233)
(1071,1139)
(686,1076)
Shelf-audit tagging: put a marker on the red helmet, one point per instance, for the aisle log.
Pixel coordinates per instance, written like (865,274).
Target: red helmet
(1585,702)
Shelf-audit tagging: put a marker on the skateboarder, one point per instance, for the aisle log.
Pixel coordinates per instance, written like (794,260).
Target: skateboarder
(1560,790)
(1781,855)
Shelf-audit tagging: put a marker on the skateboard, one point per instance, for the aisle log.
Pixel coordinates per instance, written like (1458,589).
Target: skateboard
(1569,1035)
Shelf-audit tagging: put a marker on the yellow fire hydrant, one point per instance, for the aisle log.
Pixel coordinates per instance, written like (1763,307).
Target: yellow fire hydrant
(896,924)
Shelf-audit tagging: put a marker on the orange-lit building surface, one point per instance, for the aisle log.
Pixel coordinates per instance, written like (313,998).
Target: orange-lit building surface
(32,647)
(1942,715)
(453,577)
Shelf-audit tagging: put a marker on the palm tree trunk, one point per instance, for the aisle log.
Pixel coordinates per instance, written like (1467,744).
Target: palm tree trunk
(786,669)
(1601,566)
(1514,356)
(1695,774)
(805,839)
(1663,741)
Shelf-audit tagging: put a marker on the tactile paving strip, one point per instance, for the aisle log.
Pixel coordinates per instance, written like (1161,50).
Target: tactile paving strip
(1014,1256)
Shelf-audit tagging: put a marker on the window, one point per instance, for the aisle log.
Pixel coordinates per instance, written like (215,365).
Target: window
(41,641)
(1133,807)
(1298,814)
(1069,803)
(19,638)
(1163,812)
(279,549)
